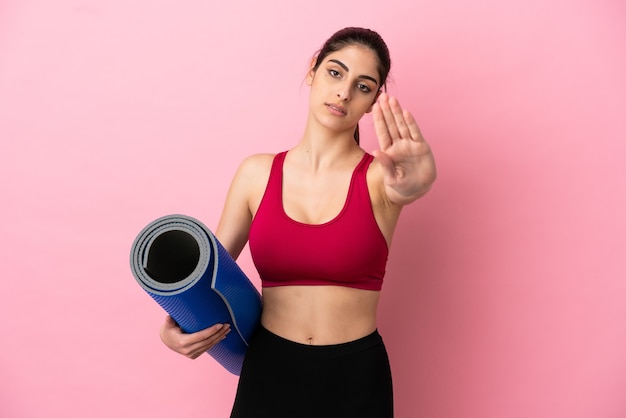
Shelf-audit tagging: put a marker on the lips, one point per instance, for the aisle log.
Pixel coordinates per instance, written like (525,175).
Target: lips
(336,109)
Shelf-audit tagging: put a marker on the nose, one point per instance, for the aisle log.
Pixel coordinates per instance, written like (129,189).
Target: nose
(343,93)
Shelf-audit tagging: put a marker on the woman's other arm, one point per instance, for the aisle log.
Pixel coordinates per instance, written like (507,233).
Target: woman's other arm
(245,190)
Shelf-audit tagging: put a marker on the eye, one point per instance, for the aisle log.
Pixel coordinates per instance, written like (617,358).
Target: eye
(363,87)
(334,73)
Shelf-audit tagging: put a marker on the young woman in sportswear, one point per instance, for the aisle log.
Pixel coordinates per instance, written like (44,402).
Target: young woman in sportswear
(320,219)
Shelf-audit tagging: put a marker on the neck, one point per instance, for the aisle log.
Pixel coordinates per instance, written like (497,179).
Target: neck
(322,146)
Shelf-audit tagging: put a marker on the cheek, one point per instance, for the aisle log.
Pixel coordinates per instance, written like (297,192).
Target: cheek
(366,101)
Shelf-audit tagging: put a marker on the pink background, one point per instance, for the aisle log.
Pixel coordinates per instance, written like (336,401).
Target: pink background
(506,288)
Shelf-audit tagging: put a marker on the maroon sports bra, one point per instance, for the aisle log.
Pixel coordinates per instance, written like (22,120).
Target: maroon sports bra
(349,250)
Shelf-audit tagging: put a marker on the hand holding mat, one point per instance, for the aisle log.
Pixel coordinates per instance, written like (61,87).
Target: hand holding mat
(179,262)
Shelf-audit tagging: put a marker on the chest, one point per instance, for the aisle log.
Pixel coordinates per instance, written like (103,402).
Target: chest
(315,199)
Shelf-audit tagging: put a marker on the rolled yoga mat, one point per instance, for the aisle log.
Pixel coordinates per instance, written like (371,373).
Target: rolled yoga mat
(178,261)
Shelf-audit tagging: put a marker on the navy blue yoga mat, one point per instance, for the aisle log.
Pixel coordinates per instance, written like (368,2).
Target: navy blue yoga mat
(178,261)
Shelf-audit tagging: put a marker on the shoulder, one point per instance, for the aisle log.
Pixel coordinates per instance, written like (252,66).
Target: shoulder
(249,182)
(255,166)
(253,172)
(257,161)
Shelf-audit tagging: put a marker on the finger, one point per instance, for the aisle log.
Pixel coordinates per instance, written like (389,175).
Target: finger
(200,349)
(390,119)
(384,140)
(413,127)
(212,330)
(399,118)
(194,345)
(205,337)
(189,340)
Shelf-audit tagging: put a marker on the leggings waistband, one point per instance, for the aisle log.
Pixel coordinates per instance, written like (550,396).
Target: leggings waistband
(369,341)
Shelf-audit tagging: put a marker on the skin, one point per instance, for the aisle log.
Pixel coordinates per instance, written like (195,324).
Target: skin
(317,173)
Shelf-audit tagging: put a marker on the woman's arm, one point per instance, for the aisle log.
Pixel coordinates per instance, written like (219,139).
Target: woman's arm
(232,231)
(234,225)
(242,201)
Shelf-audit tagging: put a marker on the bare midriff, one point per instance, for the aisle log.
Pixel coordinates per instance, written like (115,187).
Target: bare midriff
(319,315)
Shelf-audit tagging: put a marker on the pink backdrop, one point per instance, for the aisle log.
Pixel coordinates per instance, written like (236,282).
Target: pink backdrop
(506,285)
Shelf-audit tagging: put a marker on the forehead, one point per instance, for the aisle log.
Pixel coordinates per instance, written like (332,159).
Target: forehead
(358,59)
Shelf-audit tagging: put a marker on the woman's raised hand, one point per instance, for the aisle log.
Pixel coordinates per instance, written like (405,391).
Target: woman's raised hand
(408,164)
(192,345)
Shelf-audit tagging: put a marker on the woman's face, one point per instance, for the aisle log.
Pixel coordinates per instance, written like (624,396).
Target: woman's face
(344,87)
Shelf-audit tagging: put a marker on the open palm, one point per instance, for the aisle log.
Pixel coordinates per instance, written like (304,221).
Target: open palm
(406,158)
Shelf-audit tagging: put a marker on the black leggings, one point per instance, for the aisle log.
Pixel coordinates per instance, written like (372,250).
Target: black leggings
(281,378)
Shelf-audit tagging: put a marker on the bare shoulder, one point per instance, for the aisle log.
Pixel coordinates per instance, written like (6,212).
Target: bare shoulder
(252,176)
(255,168)
(257,163)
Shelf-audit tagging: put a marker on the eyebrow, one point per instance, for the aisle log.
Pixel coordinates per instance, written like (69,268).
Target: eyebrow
(345,67)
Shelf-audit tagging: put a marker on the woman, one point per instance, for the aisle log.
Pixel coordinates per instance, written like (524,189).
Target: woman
(320,219)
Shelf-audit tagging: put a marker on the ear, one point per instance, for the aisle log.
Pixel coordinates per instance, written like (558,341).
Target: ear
(311,73)
(369,109)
